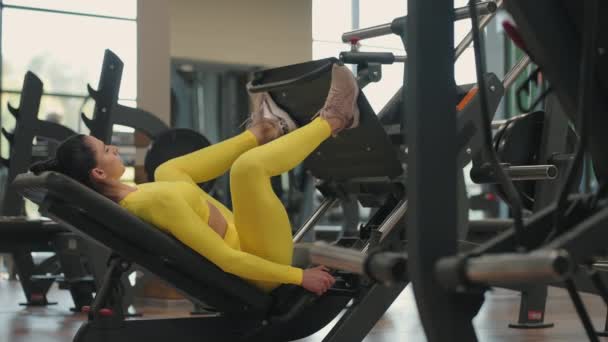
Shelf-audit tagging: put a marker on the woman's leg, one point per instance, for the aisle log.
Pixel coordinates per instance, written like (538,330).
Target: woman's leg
(207,163)
(260,218)
(213,161)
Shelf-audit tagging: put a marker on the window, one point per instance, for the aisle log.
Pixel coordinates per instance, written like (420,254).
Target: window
(332,18)
(63,43)
(65,51)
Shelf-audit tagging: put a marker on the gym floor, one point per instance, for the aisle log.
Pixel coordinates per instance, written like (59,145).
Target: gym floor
(56,324)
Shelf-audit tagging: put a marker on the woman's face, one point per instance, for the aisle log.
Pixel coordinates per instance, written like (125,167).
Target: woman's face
(109,165)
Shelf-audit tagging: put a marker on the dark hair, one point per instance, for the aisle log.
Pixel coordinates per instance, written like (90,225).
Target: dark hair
(73,157)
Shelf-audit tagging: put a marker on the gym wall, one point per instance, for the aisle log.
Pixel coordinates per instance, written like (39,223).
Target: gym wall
(153,61)
(261,32)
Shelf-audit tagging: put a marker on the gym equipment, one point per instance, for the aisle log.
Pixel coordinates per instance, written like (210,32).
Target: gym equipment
(424,256)
(246,312)
(557,243)
(518,145)
(22,236)
(108,112)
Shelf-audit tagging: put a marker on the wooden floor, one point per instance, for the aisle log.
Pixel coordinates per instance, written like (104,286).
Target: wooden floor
(56,323)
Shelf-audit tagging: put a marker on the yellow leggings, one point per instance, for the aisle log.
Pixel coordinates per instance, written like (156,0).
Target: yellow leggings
(259,216)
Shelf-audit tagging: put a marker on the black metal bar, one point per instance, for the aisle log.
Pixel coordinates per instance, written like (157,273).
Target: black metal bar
(17,92)
(490,225)
(554,140)
(585,106)
(599,284)
(79,96)
(432,167)
(486,175)
(581,311)
(146,122)
(466,41)
(584,239)
(367,57)
(106,97)
(359,319)
(510,191)
(314,218)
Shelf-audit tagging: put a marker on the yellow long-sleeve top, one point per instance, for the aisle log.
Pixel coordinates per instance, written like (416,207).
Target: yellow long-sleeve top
(176,204)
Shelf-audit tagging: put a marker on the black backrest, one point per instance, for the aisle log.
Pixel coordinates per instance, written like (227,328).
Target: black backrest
(85,211)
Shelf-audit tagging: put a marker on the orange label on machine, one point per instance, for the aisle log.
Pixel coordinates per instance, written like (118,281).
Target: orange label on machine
(466,99)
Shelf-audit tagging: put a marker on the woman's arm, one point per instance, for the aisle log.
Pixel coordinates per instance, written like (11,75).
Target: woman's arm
(207,163)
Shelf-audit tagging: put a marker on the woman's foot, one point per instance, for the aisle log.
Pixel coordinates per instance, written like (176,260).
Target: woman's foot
(268,121)
(340,109)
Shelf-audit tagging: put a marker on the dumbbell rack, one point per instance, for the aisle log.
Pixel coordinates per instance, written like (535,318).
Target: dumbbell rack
(20,235)
(109,112)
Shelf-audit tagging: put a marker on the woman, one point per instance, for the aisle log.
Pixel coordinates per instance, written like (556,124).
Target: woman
(254,241)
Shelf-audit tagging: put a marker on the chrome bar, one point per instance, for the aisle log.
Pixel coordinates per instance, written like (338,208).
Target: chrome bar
(468,39)
(384,267)
(390,222)
(314,218)
(532,172)
(368,32)
(496,124)
(339,258)
(486,175)
(515,268)
(515,71)
(460,13)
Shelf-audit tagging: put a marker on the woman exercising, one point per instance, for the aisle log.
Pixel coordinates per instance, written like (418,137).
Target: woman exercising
(254,241)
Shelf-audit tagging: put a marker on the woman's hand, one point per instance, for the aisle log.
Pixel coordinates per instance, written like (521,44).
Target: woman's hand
(317,280)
